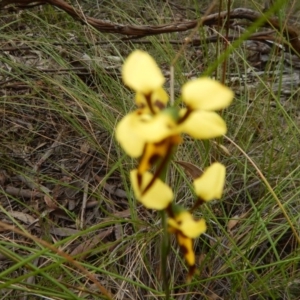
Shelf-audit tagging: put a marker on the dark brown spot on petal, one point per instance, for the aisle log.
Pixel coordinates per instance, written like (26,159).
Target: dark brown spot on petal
(148,100)
(159,104)
(162,142)
(139,180)
(185,116)
(192,271)
(153,159)
(141,105)
(198,203)
(184,250)
(169,211)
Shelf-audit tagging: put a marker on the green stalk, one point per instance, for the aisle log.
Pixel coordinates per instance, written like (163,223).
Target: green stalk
(165,249)
(165,244)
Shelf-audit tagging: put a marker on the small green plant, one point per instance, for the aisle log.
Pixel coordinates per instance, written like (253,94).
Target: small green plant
(152,133)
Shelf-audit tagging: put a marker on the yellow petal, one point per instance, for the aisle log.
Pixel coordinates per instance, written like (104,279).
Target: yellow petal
(158,100)
(159,95)
(185,223)
(210,185)
(186,245)
(159,195)
(140,101)
(154,151)
(141,73)
(206,94)
(155,128)
(189,227)
(126,135)
(173,226)
(203,125)
(138,128)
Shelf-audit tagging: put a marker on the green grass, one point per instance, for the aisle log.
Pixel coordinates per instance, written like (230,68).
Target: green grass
(61,91)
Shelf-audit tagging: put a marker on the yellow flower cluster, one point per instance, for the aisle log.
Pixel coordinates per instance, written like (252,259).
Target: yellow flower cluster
(152,132)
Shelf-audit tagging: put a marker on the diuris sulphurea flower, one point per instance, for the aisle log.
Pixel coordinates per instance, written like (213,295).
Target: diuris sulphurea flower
(152,122)
(152,133)
(186,230)
(141,73)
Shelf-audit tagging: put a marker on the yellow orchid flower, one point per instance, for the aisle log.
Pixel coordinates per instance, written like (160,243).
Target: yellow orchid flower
(152,123)
(210,184)
(141,73)
(186,230)
(159,196)
(152,132)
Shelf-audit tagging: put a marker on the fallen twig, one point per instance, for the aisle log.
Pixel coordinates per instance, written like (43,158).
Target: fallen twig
(291,41)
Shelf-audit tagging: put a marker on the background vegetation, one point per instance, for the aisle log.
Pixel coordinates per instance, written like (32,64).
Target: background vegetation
(70,226)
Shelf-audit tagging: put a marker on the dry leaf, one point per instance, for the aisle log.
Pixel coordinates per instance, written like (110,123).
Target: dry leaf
(82,250)
(190,169)
(115,191)
(112,189)
(84,148)
(26,218)
(234,221)
(64,231)
(71,204)
(213,296)
(25,193)
(50,202)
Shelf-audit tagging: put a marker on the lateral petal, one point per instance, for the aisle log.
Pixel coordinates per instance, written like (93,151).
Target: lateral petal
(203,125)
(126,135)
(158,196)
(207,94)
(210,185)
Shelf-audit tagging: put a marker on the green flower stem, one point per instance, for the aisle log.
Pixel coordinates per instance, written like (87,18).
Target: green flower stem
(165,249)
(165,244)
